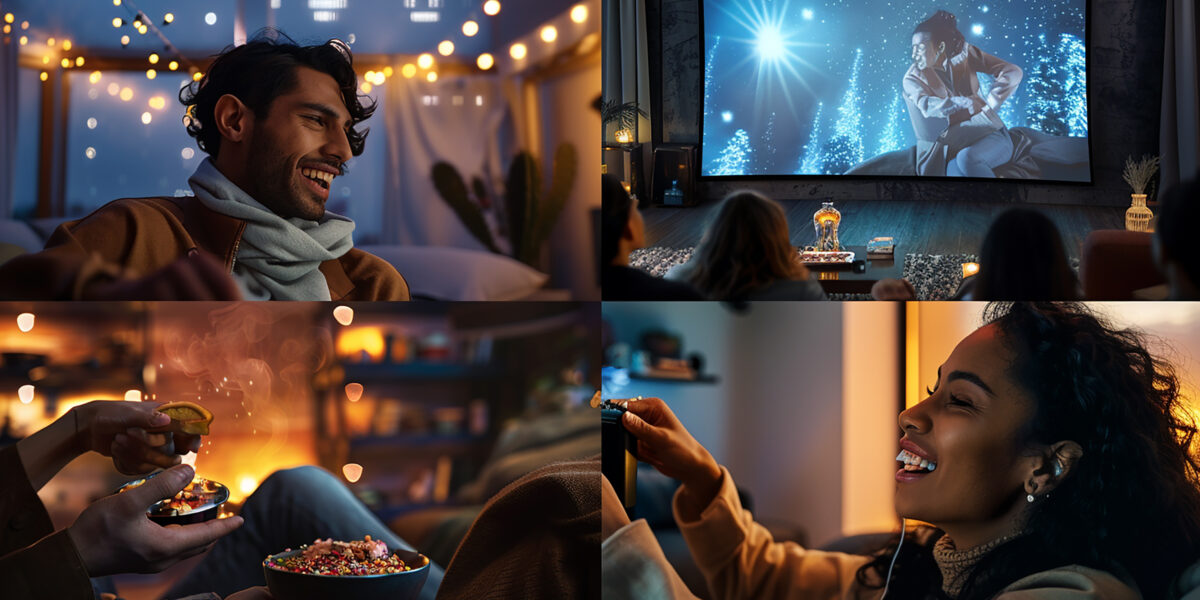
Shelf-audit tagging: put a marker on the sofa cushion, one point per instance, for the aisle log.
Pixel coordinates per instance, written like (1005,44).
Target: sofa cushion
(445,273)
(19,233)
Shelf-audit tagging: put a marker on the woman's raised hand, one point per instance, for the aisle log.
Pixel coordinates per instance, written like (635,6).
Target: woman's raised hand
(665,444)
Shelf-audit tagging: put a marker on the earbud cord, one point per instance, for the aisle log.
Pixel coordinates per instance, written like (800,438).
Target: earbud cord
(893,565)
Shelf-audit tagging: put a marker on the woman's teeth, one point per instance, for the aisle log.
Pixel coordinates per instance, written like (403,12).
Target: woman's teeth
(912,462)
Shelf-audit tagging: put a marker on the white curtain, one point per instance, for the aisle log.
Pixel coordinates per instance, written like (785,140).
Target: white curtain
(625,71)
(9,101)
(456,120)
(1179,141)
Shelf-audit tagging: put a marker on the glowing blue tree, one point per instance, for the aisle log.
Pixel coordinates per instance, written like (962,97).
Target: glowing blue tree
(708,85)
(1074,69)
(813,162)
(845,148)
(891,139)
(735,156)
(765,154)
(1045,110)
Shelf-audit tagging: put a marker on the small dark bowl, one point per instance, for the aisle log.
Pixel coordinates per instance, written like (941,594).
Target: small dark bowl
(204,512)
(406,585)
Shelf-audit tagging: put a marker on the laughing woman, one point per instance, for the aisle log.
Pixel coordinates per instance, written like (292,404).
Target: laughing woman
(1051,457)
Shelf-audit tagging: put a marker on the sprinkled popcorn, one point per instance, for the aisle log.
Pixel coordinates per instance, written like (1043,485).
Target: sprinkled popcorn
(327,557)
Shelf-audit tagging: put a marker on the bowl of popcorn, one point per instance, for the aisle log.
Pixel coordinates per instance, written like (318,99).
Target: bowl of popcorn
(328,568)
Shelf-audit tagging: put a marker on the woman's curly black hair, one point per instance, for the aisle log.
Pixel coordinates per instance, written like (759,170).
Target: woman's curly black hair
(1130,505)
(263,69)
(942,26)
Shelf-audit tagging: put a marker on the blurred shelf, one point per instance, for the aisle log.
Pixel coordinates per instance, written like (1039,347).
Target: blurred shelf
(427,442)
(707,379)
(429,371)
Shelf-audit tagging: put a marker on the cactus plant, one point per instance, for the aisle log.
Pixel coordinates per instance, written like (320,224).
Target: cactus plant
(531,214)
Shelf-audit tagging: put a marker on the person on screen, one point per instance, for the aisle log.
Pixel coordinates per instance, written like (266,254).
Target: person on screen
(621,232)
(746,254)
(1053,458)
(278,122)
(958,131)
(1173,246)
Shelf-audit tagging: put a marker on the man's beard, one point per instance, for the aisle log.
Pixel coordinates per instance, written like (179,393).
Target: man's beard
(274,182)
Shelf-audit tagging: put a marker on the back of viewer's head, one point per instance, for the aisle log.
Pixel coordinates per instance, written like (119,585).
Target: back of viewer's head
(615,208)
(744,248)
(1178,215)
(263,69)
(1023,258)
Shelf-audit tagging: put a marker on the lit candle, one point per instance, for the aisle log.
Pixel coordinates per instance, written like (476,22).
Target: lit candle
(969,269)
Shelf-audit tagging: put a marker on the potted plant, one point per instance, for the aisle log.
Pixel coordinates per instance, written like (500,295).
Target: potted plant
(1138,174)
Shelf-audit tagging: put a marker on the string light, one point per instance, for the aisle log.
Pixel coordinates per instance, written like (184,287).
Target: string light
(197,76)
(25,322)
(173,65)
(379,78)
(146,117)
(114,89)
(549,34)
(24,40)
(79,61)
(517,51)
(116,2)
(579,13)
(94,78)
(126,94)
(485,61)
(431,76)
(124,41)
(25,393)
(365,87)
(153,58)
(66,45)
(9,18)
(157,102)
(151,73)
(24,25)
(344,315)
(388,71)
(66,63)
(446,48)
(168,18)
(491,8)
(409,70)
(45,59)
(143,29)
(50,42)
(7,29)
(117,22)
(44,76)
(470,28)
(425,60)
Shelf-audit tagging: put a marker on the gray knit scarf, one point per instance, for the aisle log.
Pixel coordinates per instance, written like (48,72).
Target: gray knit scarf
(277,258)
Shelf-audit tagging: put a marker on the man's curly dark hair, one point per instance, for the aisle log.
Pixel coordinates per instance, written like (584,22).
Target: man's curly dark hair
(1131,503)
(263,69)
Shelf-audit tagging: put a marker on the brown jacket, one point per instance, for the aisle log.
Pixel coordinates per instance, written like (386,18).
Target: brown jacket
(134,237)
(35,561)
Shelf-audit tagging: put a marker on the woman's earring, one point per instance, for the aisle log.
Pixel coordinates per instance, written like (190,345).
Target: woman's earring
(1029,498)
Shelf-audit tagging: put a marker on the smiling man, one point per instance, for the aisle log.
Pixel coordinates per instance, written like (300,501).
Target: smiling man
(278,122)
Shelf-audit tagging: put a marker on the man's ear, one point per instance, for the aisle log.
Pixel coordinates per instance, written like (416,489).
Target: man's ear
(232,118)
(1052,466)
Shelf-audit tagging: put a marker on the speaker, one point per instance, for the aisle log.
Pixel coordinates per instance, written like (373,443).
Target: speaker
(673,181)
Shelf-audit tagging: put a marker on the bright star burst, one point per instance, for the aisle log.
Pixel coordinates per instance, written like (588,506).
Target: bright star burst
(772,33)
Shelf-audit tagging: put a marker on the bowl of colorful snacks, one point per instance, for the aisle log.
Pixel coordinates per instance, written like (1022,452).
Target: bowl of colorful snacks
(200,501)
(328,568)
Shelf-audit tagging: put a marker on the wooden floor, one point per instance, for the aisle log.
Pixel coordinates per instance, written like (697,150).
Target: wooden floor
(932,227)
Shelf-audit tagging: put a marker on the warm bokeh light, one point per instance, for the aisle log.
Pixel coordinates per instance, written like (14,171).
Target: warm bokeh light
(173,65)
(354,391)
(169,18)
(361,341)
(25,322)
(247,484)
(369,76)
(153,58)
(549,34)
(517,51)
(44,76)
(89,152)
(133,395)
(9,18)
(197,76)
(425,60)
(352,471)
(143,29)
(51,41)
(491,7)
(344,315)
(431,76)
(446,48)
(187,153)
(157,102)
(45,59)
(25,393)
(117,22)
(366,87)
(388,71)
(24,25)
(151,73)
(146,118)
(470,28)
(66,45)
(409,70)
(79,61)
(579,13)
(126,94)
(969,269)
(66,63)
(124,40)
(485,61)
(24,40)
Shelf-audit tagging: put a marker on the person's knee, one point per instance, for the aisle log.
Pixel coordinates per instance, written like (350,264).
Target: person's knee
(297,480)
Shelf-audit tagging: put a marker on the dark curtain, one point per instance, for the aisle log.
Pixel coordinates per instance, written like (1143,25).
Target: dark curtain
(1180,135)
